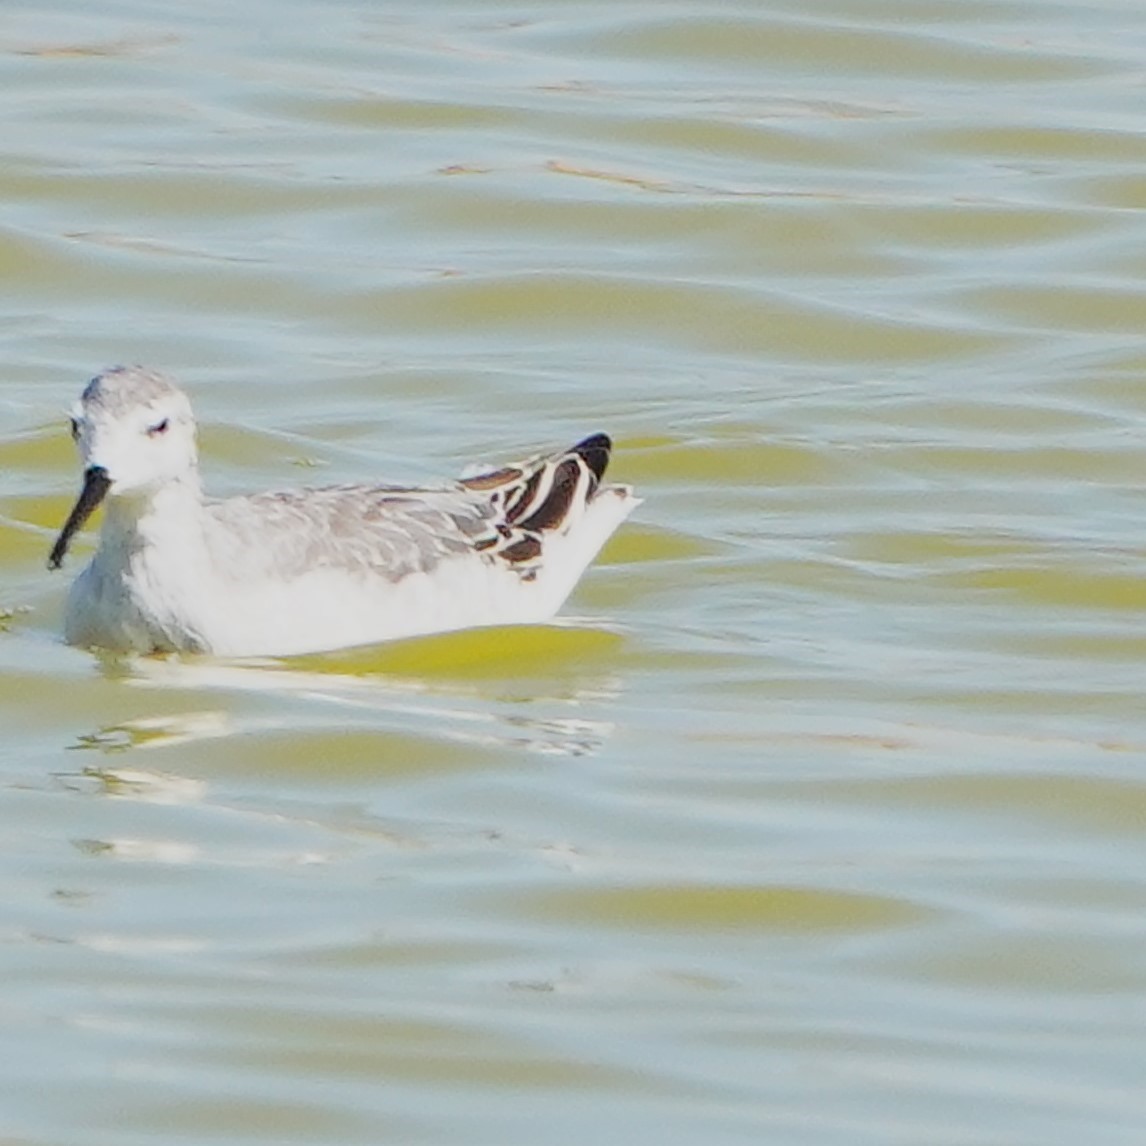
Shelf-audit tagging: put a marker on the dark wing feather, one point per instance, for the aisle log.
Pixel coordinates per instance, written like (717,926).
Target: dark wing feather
(537,497)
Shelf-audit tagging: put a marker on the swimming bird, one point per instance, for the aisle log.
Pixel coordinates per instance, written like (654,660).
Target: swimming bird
(305,570)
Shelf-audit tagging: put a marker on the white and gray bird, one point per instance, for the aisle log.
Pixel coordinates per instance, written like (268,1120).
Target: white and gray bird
(305,570)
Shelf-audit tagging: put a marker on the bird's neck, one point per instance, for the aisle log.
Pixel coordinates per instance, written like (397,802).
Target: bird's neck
(169,517)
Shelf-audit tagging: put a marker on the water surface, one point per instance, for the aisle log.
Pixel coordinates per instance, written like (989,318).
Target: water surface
(821,817)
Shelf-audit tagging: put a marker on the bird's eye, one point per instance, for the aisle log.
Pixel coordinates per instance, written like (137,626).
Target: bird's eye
(75,429)
(159,429)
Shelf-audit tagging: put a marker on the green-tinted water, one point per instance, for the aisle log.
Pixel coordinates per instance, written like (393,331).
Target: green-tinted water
(824,821)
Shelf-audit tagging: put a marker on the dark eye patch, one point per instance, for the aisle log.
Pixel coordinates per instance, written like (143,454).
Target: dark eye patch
(158,429)
(75,429)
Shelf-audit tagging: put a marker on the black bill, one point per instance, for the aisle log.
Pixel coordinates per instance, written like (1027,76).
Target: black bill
(96,485)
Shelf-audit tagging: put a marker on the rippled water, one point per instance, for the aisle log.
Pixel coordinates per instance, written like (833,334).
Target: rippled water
(822,819)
